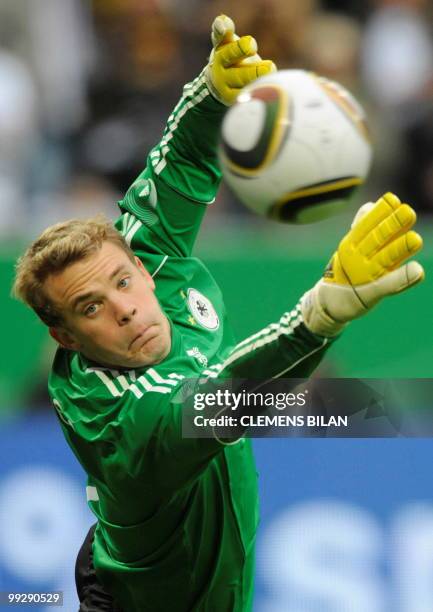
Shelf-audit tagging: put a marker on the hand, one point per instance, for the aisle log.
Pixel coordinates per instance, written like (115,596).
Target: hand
(233,62)
(366,267)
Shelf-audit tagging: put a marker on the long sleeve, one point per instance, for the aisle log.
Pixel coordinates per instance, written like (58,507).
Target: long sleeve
(282,349)
(164,207)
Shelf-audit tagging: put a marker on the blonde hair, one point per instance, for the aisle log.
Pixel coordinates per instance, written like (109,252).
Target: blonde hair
(56,248)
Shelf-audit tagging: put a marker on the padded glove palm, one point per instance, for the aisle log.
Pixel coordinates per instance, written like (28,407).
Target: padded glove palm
(366,267)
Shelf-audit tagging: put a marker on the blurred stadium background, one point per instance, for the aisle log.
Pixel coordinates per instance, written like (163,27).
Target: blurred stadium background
(85,89)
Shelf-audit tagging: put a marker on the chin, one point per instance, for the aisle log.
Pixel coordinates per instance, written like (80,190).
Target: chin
(151,353)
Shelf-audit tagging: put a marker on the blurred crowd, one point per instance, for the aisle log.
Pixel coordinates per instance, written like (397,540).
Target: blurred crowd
(86,88)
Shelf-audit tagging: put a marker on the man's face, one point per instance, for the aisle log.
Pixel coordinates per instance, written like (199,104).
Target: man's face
(110,311)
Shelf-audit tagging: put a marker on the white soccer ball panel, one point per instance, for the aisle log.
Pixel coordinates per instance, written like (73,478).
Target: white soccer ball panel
(243,126)
(296,138)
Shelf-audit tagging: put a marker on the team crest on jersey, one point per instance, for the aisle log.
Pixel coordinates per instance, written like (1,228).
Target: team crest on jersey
(202,310)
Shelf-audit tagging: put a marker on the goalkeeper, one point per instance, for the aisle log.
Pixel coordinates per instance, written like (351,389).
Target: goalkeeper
(135,314)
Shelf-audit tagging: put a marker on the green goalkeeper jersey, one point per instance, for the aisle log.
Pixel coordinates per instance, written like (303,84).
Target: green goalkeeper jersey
(177,517)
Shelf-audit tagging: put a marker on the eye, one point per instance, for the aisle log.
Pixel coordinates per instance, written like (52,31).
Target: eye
(124,282)
(90,310)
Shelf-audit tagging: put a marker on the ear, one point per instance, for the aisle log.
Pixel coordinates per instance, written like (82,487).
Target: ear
(145,273)
(64,338)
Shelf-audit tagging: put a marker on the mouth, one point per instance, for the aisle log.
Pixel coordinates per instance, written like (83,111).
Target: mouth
(146,334)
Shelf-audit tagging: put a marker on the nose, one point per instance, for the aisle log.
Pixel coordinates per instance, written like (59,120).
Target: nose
(124,311)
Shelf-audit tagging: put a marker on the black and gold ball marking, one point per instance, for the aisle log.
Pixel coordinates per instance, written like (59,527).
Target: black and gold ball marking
(290,207)
(276,125)
(347,105)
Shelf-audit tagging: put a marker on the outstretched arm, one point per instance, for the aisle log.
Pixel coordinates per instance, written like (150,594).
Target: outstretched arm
(368,265)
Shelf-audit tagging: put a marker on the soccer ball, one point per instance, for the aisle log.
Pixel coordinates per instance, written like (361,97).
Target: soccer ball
(295,146)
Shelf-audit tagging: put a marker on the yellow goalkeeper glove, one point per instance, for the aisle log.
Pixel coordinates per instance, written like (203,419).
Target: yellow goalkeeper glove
(366,267)
(233,62)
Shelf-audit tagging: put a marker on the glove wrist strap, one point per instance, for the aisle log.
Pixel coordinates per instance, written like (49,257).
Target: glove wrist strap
(316,319)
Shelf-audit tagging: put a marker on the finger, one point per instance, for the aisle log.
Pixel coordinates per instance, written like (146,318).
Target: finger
(382,209)
(239,76)
(235,51)
(397,224)
(365,208)
(223,30)
(401,279)
(397,251)
(390,284)
(266,67)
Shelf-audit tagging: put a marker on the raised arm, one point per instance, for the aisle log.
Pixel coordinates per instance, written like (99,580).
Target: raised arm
(186,156)
(182,175)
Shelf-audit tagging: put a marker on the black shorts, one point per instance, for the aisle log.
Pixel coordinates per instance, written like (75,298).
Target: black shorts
(92,595)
